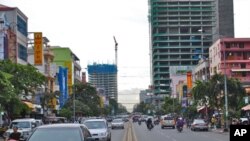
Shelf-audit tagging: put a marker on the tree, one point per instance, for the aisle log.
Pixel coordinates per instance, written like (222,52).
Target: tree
(87,102)
(212,93)
(171,105)
(143,108)
(26,78)
(7,89)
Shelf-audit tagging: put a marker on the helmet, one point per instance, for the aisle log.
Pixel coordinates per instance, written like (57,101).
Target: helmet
(180,118)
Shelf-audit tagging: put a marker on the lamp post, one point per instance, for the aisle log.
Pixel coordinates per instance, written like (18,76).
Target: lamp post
(202,51)
(225,87)
(74,104)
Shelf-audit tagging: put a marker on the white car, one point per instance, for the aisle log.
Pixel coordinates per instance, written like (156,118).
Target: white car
(99,129)
(25,127)
(117,123)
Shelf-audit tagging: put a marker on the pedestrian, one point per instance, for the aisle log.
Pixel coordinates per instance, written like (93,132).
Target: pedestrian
(213,122)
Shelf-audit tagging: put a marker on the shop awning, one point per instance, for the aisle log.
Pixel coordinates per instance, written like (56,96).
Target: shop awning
(200,108)
(29,104)
(246,107)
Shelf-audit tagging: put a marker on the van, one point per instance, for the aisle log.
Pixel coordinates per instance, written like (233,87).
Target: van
(167,121)
(25,127)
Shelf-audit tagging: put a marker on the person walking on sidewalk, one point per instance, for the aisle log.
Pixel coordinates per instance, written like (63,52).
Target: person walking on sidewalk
(213,122)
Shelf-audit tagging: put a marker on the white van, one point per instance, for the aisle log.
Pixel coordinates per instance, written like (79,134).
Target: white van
(25,127)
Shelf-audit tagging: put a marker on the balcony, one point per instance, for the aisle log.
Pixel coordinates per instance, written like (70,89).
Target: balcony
(48,53)
(77,65)
(77,77)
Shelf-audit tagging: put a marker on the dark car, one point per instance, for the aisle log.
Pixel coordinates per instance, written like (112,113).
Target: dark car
(199,124)
(61,132)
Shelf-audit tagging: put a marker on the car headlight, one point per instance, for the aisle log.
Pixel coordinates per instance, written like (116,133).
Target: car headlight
(103,134)
(25,133)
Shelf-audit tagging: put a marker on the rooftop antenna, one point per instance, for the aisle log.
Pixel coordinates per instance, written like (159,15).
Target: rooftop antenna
(116,45)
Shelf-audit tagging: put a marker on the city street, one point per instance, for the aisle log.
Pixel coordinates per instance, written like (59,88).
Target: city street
(118,134)
(158,134)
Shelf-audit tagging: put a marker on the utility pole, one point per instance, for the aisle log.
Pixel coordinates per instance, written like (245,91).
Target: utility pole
(225,87)
(74,104)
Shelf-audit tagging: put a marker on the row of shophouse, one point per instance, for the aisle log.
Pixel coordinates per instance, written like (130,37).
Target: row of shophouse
(60,65)
(230,56)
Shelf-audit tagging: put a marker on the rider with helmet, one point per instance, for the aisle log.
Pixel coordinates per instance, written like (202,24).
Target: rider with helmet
(180,122)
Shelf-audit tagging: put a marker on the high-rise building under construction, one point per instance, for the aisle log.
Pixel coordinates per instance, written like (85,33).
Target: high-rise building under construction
(104,76)
(181,32)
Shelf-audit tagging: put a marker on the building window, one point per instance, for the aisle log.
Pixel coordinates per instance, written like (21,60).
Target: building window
(22,52)
(227,45)
(241,45)
(22,26)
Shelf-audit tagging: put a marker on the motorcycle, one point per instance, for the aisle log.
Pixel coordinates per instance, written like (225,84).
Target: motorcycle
(150,126)
(180,128)
(139,122)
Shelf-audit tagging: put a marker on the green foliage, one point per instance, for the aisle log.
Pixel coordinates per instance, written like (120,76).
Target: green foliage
(7,90)
(144,108)
(171,105)
(65,112)
(211,93)
(26,78)
(23,79)
(87,102)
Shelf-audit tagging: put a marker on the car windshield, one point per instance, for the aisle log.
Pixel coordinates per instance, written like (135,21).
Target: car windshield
(20,124)
(117,120)
(56,134)
(95,124)
(168,118)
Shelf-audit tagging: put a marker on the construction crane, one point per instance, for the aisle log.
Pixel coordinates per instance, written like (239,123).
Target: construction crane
(116,45)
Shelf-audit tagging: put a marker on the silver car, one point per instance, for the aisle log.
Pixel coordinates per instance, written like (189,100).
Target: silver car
(99,129)
(199,124)
(117,123)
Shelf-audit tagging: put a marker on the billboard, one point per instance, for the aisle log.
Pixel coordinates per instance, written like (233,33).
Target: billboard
(38,48)
(189,80)
(68,64)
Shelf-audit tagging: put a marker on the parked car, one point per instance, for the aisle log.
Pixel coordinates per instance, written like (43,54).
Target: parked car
(25,127)
(167,121)
(199,124)
(61,132)
(39,122)
(117,123)
(99,129)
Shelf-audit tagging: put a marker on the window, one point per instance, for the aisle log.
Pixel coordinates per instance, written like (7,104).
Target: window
(22,26)
(184,30)
(22,52)
(241,45)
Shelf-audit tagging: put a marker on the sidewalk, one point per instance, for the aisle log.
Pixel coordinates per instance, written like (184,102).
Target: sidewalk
(220,131)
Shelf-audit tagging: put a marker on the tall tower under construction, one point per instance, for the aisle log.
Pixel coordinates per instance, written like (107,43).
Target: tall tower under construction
(181,32)
(104,76)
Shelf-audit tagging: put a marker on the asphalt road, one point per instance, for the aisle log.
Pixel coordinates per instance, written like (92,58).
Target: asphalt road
(118,134)
(158,134)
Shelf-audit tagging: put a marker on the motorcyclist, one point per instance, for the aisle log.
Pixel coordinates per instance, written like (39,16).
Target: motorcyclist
(15,135)
(179,122)
(139,121)
(149,123)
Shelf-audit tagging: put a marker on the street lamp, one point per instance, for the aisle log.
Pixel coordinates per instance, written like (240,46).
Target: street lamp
(74,103)
(225,87)
(203,57)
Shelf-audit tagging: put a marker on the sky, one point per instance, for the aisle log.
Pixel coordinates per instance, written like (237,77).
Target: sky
(88,27)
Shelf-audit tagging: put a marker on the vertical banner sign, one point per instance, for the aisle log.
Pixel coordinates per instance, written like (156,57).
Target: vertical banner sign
(68,64)
(38,48)
(189,80)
